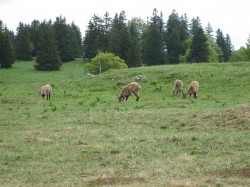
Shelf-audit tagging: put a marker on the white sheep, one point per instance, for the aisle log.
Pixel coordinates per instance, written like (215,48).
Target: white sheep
(45,90)
(178,87)
(193,89)
(128,90)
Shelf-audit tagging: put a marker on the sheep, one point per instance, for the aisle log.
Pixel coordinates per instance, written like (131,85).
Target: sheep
(45,90)
(128,90)
(178,87)
(193,89)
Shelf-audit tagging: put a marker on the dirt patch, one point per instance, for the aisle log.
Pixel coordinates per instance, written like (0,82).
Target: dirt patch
(242,172)
(115,181)
(236,117)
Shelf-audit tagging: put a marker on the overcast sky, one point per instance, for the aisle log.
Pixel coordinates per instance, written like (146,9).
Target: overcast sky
(231,16)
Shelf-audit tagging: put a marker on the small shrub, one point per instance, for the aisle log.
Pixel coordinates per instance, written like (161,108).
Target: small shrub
(104,62)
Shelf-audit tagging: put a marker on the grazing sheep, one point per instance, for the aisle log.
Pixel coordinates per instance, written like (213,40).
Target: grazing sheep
(193,89)
(128,90)
(178,87)
(45,90)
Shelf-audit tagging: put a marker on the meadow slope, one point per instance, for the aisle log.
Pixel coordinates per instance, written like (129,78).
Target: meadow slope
(84,137)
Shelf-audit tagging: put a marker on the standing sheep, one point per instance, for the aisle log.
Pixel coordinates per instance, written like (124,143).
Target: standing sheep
(193,89)
(45,90)
(178,87)
(128,90)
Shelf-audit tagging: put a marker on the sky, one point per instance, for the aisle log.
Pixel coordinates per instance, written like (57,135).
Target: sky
(230,16)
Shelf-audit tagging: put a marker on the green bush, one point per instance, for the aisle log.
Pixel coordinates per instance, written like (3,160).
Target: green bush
(104,62)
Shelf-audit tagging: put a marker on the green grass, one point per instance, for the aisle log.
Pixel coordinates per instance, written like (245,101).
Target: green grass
(85,137)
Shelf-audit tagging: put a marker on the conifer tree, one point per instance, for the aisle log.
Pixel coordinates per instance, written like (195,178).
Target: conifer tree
(209,30)
(114,44)
(120,42)
(195,25)
(199,51)
(176,34)
(135,56)
(65,38)
(247,50)
(220,41)
(48,55)
(228,49)
(153,44)
(23,45)
(96,36)
(7,55)
(34,35)
(76,40)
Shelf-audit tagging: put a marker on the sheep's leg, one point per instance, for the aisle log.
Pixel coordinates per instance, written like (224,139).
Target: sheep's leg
(127,98)
(195,95)
(137,96)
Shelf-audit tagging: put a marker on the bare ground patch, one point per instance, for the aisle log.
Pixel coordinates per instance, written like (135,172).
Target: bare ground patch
(115,181)
(237,117)
(231,172)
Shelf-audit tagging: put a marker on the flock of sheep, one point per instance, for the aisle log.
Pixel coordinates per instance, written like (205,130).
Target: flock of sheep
(133,88)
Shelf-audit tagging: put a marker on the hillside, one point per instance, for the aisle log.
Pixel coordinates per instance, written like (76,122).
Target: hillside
(85,137)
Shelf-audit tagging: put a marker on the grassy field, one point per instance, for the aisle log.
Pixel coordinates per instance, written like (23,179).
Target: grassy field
(84,137)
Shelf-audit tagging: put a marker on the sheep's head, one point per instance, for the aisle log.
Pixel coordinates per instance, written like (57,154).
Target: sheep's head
(120,98)
(185,94)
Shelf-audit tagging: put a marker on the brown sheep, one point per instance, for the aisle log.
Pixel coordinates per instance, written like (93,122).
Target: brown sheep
(45,90)
(178,87)
(128,90)
(193,89)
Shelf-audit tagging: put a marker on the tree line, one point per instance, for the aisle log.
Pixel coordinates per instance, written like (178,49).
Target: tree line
(138,42)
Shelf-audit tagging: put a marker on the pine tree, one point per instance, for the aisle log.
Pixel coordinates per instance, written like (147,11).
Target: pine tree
(228,49)
(199,51)
(220,41)
(65,38)
(153,44)
(77,40)
(96,36)
(176,34)
(23,45)
(120,42)
(48,55)
(247,50)
(34,35)
(114,44)
(135,56)
(209,30)
(195,25)
(7,54)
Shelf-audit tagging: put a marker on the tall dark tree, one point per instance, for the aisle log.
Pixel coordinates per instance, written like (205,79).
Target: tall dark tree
(176,34)
(153,45)
(121,45)
(96,36)
(199,51)
(135,56)
(247,50)
(48,55)
(114,44)
(23,44)
(229,48)
(107,26)
(7,54)
(34,35)
(65,38)
(220,41)
(77,40)
(209,30)
(195,25)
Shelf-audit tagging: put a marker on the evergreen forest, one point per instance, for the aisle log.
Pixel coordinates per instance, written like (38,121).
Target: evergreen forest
(138,42)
